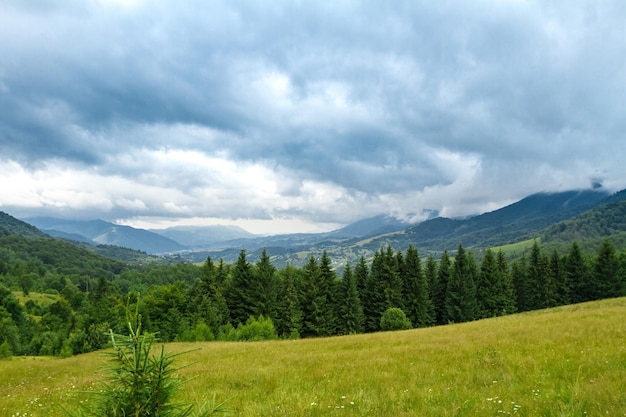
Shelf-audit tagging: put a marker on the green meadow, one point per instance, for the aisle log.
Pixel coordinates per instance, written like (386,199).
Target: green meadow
(567,361)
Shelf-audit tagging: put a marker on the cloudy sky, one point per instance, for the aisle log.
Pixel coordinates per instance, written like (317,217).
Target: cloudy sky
(285,116)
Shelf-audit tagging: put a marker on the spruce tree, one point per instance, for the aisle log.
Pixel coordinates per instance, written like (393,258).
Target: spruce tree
(439,292)
(608,283)
(549,293)
(351,319)
(461,303)
(509,302)
(374,301)
(535,279)
(578,274)
(430,273)
(289,318)
(417,303)
(488,287)
(265,283)
(563,285)
(361,273)
(313,301)
(242,292)
(328,287)
(520,282)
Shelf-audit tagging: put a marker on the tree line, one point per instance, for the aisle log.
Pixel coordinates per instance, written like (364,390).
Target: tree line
(251,300)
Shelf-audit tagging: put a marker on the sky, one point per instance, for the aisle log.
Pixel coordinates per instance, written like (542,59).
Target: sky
(299,116)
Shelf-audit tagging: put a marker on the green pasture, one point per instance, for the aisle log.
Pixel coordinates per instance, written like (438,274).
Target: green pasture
(568,361)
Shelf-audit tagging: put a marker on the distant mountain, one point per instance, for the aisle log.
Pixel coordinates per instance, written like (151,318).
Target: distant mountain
(523,219)
(603,221)
(100,232)
(9,225)
(376,225)
(518,221)
(202,236)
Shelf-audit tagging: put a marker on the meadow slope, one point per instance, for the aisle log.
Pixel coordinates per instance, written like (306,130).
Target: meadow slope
(567,361)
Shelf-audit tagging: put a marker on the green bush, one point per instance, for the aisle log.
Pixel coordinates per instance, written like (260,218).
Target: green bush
(394,319)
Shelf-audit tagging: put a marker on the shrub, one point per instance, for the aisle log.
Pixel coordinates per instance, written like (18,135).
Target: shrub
(394,319)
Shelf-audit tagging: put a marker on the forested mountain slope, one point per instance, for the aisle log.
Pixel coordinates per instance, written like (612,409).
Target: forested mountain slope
(605,221)
(518,221)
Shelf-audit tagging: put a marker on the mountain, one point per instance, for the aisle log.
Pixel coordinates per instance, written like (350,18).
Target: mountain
(376,225)
(9,225)
(607,220)
(99,232)
(202,236)
(518,221)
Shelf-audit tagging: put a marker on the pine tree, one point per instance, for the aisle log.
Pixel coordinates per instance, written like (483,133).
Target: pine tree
(549,295)
(430,273)
(328,287)
(289,318)
(488,287)
(361,273)
(313,301)
(563,285)
(265,283)
(520,282)
(607,281)
(417,303)
(242,292)
(439,292)
(461,303)
(578,275)
(351,317)
(535,279)
(509,302)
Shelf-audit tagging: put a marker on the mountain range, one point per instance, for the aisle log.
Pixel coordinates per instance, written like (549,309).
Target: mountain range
(547,215)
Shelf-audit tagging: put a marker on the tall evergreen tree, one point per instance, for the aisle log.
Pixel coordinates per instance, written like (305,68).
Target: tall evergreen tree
(608,283)
(439,292)
(461,303)
(266,287)
(242,293)
(535,278)
(509,302)
(519,276)
(563,286)
(578,274)
(329,284)
(351,319)
(417,303)
(361,273)
(288,321)
(489,287)
(549,293)
(313,301)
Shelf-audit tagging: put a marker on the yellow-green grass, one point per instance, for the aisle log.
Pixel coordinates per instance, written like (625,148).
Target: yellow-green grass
(568,361)
(39,298)
(517,248)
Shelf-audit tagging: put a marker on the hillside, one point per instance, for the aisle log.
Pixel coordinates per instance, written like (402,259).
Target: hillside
(605,221)
(9,225)
(567,361)
(99,232)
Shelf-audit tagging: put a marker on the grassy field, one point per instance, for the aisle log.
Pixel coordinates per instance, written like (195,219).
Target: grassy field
(569,361)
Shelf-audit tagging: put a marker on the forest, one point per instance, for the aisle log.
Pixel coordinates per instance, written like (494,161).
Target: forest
(60,300)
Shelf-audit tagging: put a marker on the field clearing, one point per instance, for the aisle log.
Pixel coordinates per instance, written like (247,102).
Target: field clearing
(568,361)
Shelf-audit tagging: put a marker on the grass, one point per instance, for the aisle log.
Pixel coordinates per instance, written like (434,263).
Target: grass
(568,361)
(516,249)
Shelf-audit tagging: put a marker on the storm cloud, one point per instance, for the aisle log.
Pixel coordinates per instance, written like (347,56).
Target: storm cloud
(305,115)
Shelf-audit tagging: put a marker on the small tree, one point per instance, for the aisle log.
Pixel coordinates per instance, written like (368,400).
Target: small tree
(394,319)
(141,383)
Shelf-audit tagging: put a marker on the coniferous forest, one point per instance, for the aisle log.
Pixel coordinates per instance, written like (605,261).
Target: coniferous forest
(57,299)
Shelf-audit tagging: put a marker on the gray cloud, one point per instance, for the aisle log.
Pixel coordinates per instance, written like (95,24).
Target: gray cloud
(243,110)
